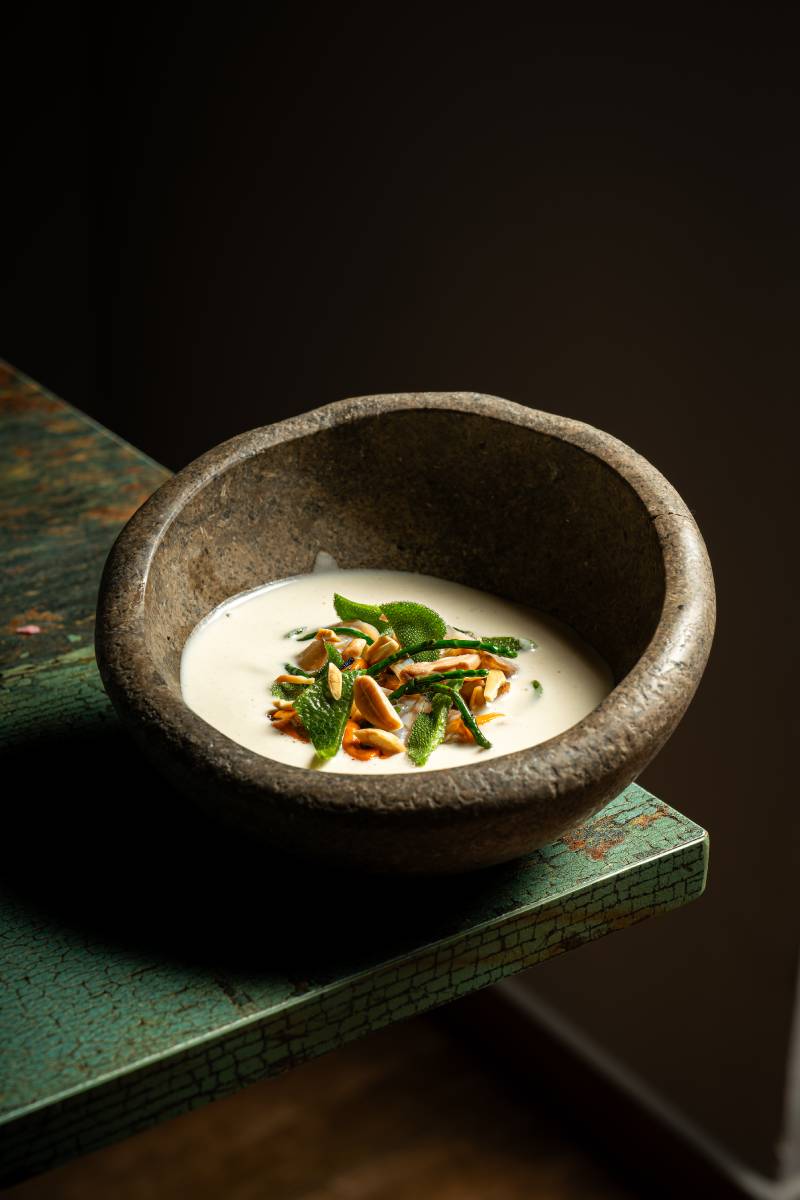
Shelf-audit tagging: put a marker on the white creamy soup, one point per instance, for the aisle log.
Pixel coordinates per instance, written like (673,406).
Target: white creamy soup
(232,658)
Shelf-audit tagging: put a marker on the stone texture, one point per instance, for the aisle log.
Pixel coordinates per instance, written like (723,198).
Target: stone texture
(567,519)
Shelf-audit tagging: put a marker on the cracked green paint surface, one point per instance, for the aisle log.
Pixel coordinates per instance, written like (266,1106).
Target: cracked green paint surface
(115,1016)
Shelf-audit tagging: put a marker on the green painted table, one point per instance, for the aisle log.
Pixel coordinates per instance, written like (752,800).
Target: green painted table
(151,963)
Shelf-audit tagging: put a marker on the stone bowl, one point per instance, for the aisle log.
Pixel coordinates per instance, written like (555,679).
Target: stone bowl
(567,519)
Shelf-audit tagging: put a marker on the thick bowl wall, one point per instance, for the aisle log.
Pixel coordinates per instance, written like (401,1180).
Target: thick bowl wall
(533,507)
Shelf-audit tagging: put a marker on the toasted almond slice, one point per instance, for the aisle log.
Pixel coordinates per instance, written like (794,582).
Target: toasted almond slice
(276,703)
(379,738)
(476,700)
(494,681)
(381,648)
(354,648)
(304,679)
(463,662)
(314,655)
(373,704)
(326,635)
(493,663)
(334,681)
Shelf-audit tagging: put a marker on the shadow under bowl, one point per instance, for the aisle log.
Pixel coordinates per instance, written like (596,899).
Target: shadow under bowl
(540,509)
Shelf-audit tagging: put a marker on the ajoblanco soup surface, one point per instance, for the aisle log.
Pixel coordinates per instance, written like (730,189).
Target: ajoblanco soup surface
(231,659)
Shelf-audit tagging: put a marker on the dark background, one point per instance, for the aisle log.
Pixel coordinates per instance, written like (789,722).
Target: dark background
(217,221)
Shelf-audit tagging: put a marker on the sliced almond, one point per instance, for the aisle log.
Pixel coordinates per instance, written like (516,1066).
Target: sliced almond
(354,648)
(379,738)
(494,681)
(365,627)
(326,635)
(314,655)
(497,664)
(334,681)
(374,706)
(304,679)
(463,662)
(276,703)
(476,700)
(382,648)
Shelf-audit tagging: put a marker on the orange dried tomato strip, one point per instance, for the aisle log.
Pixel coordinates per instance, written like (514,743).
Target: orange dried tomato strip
(285,721)
(458,729)
(352,747)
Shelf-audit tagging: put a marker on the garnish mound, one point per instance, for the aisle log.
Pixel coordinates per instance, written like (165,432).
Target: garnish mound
(391,679)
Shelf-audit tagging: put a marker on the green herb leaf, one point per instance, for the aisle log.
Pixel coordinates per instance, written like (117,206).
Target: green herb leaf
(334,656)
(537,687)
(509,647)
(293,691)
(352,610)
(428,731)
(414,623)
(289,691)
(323,717)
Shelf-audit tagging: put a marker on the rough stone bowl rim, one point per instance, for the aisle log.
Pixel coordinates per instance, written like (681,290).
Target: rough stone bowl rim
(667,672)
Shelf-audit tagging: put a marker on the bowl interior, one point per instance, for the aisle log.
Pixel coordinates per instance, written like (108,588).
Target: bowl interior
(459,495)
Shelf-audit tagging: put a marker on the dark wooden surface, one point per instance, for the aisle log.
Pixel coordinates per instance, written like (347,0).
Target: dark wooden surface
(409,1114)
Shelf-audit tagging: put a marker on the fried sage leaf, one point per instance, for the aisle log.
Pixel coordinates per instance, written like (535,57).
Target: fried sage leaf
(352,610)
(413,623)
(428,731)
(323,717)
(286,691)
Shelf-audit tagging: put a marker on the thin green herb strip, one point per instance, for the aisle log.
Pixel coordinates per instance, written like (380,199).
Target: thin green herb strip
(337,630)
(468,719)
(425,681)
(445,644)
(359,633)
(511,646)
